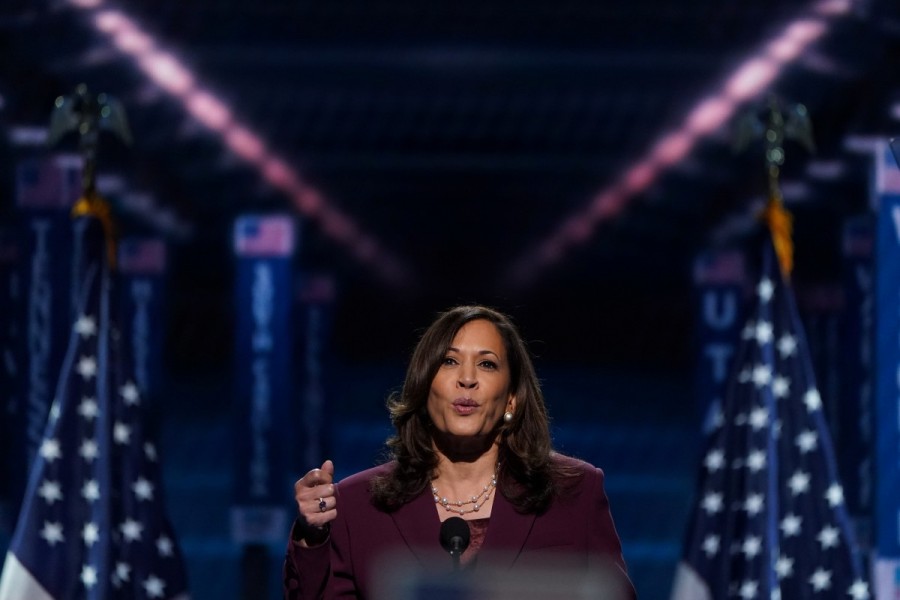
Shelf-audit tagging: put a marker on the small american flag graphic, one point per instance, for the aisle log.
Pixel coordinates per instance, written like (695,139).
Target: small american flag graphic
(48,182)
(264,236)
(139,256)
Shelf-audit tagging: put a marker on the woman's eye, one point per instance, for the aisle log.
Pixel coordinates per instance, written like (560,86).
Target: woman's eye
(488,364)
(448,360)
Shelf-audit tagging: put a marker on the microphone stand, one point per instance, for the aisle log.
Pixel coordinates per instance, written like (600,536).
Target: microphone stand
(456,551)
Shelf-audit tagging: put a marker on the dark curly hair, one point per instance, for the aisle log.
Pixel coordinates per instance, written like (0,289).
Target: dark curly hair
(527,475)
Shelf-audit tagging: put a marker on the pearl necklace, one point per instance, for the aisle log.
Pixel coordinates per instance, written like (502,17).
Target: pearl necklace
(476,501)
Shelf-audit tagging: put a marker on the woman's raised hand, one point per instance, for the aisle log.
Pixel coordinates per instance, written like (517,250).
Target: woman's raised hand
(316,503)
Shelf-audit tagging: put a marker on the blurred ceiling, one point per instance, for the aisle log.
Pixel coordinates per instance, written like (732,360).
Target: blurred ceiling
(469,151)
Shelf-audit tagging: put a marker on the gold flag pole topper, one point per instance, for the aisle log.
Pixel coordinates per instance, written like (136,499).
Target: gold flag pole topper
(782,122)
(88,114)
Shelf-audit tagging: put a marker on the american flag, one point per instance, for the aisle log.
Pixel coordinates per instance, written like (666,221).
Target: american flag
(49,182)
(138,256)
(92,524)
(770,521)
(271,235)
(719,268)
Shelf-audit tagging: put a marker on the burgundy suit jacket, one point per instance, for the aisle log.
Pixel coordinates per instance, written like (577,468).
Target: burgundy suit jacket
(577,527)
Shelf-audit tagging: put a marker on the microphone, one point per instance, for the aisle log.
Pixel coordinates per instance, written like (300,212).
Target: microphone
(455,538)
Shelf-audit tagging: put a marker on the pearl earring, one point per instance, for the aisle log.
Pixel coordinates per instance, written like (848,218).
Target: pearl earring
(507,416)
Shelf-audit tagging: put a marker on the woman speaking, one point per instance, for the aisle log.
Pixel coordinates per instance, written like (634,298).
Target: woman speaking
(473,442)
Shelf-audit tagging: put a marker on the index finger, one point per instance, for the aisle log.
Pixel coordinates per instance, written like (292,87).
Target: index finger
(318,477)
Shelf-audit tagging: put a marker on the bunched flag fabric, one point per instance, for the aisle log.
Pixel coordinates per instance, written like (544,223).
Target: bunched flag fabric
(92,524)
(770,521)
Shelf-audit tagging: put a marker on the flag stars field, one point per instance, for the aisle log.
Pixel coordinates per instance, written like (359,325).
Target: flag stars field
(95,509)
(779,508)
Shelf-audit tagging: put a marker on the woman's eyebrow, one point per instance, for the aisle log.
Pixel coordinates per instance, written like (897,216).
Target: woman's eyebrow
(480,352)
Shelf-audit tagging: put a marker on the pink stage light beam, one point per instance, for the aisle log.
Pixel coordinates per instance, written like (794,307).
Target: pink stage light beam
(748,81)
(171,75)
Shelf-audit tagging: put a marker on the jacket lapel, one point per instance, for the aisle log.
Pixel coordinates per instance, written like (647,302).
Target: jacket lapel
(419,526)
(507,532)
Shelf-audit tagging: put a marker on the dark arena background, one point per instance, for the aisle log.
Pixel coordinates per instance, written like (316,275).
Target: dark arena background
(308,184)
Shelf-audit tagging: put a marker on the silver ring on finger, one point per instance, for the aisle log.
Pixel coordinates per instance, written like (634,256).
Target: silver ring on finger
(322,505)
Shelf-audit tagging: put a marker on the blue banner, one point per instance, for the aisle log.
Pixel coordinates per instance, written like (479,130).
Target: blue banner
(719,278)
(263,357)
(46,189)
(887,380)
(315,310)
(142,287)
(9,330)
(857,371)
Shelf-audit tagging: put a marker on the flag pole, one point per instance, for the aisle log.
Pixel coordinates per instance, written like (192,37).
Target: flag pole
(782,121)
(87,114)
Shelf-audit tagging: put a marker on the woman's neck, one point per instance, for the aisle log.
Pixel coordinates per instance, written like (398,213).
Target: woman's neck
(467,468)
(465,487)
